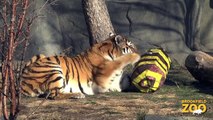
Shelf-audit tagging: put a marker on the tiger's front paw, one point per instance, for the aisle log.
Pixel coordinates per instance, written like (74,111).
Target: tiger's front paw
(77,96)
(62,96)
(134,58)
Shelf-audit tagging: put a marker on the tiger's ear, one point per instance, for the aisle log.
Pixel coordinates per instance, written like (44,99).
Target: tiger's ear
(118,39)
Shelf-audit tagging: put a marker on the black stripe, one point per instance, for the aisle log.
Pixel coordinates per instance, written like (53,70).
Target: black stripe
(26,92)
(31,87)
(42,87)
(85,62)
(79,63)
(81,88)
(98,72)
(113,47)
(140,69)
(55,80)
(67,76)
(144,60)
(56,88)
(40,77)
(31,61)
(87,59)
(38,57)
(162,51)
(36,63)
(78,77)
(50,63)
(27,84)
(78,60)
(48,76)
(33,71)
(72,66)
(110,54)
(35,91)
(46,66)
(57,60)
(157,55)
(75,67)
(48,58)
(68,69)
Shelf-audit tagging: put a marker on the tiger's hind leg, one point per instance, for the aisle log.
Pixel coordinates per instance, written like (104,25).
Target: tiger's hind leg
(56,89)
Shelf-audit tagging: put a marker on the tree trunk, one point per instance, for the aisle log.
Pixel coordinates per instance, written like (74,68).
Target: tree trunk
(97,19)
(14,31)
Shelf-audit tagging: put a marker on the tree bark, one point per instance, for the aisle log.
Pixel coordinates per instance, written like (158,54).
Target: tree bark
(200,65)
(15,27)
(9,60)
(97,19)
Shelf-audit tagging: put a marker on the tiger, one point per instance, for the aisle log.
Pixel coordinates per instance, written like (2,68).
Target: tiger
(96,70)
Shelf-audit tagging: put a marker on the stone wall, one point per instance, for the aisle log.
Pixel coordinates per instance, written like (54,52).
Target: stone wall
(148,23)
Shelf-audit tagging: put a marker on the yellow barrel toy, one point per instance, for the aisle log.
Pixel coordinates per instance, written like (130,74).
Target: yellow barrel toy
(151,70)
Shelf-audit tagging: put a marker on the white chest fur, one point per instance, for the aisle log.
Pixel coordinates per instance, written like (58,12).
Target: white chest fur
(115,79)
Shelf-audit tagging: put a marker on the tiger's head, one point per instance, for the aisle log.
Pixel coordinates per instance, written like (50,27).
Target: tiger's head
(115,46)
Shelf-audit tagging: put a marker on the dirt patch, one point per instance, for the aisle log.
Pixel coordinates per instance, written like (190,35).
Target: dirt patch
(125,106)
(103,106)
(93,107)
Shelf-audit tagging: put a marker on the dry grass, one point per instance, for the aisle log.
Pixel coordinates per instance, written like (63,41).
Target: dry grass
(125,106)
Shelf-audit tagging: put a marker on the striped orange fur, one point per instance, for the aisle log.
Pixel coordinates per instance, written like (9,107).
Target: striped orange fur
(96,70)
